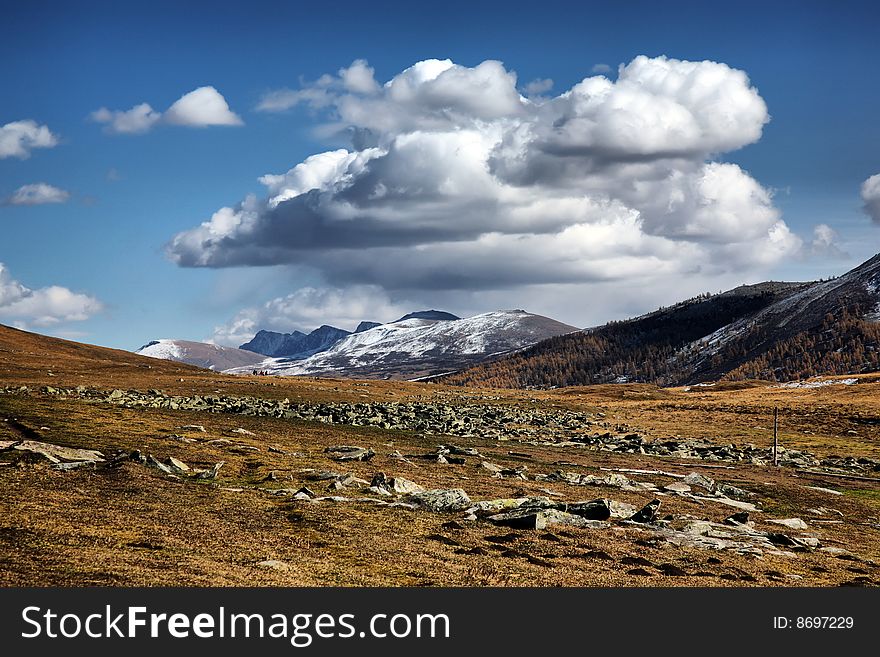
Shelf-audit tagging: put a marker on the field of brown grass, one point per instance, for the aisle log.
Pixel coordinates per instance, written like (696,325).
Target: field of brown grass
(134,525)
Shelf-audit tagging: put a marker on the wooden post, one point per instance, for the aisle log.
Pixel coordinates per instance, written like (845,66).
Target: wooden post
(776,435)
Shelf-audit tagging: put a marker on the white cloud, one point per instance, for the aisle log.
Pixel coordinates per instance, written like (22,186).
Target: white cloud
(18,138)
(308,308)
(42,307)
(538,86)
(871,197)
(455,181)
(358,78)
(825,242)
(138,120)
(601,69)
(38,194)
(201,107)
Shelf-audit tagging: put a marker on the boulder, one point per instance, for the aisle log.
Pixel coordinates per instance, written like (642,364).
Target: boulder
(594,510)
(647,513)
(700,481)
(349,453)
(791,523)
(443,500)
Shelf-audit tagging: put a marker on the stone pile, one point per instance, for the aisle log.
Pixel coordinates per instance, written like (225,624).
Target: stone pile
(536,426)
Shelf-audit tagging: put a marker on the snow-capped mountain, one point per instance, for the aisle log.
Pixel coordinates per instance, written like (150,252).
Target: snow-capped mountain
(414,346)
(200,354)
(775,331)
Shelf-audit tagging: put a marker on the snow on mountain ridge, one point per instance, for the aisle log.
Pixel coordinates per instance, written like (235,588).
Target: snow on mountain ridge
(423,345)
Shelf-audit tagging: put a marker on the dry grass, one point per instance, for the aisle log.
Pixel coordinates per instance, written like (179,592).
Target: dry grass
(135,526)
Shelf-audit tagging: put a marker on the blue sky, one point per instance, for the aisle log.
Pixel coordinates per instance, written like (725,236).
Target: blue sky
(813,64)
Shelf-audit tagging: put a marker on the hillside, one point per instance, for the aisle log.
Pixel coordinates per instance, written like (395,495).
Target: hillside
(774,331)
(200,354)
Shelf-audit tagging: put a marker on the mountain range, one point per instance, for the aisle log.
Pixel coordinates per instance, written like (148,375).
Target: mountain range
(422,344)
(774,331)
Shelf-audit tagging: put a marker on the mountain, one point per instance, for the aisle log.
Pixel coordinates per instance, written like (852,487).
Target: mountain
(296,345)
(270,343)
(429,314)
(200,354)
(420,347)
(774,331)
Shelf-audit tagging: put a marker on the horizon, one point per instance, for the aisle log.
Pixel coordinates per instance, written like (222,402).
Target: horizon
(206,174)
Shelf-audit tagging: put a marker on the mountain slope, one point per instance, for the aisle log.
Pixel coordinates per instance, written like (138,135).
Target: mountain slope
(416,347)
(200,354)
(776,331)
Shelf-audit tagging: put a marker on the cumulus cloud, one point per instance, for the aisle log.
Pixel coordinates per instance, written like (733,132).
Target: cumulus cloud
(199,108)
(202,107)
(871,197)
(601,69)
(825,242)
(456,181)
(538,86)
(42,307)
(137,120)
(38,194)
(308,308)
(19,138)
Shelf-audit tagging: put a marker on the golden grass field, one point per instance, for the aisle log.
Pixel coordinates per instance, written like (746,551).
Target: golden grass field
(133,525)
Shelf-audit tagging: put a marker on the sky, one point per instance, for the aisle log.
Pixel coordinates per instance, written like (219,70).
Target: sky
(203,170)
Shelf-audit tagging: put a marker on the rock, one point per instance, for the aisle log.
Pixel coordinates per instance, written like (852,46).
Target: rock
(487,507)
(647,513)
(595,510)
(243,432)
(210,474)
(178,465)
(56,453)
(153,462)
(533,518)
(491,467)
(745,506)
(192,427)
(404,486)
(696,479)
(273,564)
(395,485)
(73,465)
(621,509)
(733,491)
(441,500)
(349,453)
(304,493)
(740,518)
(791,523)
(677,487)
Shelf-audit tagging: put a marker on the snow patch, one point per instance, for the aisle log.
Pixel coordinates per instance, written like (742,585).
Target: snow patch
(164,349)
(818,383)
